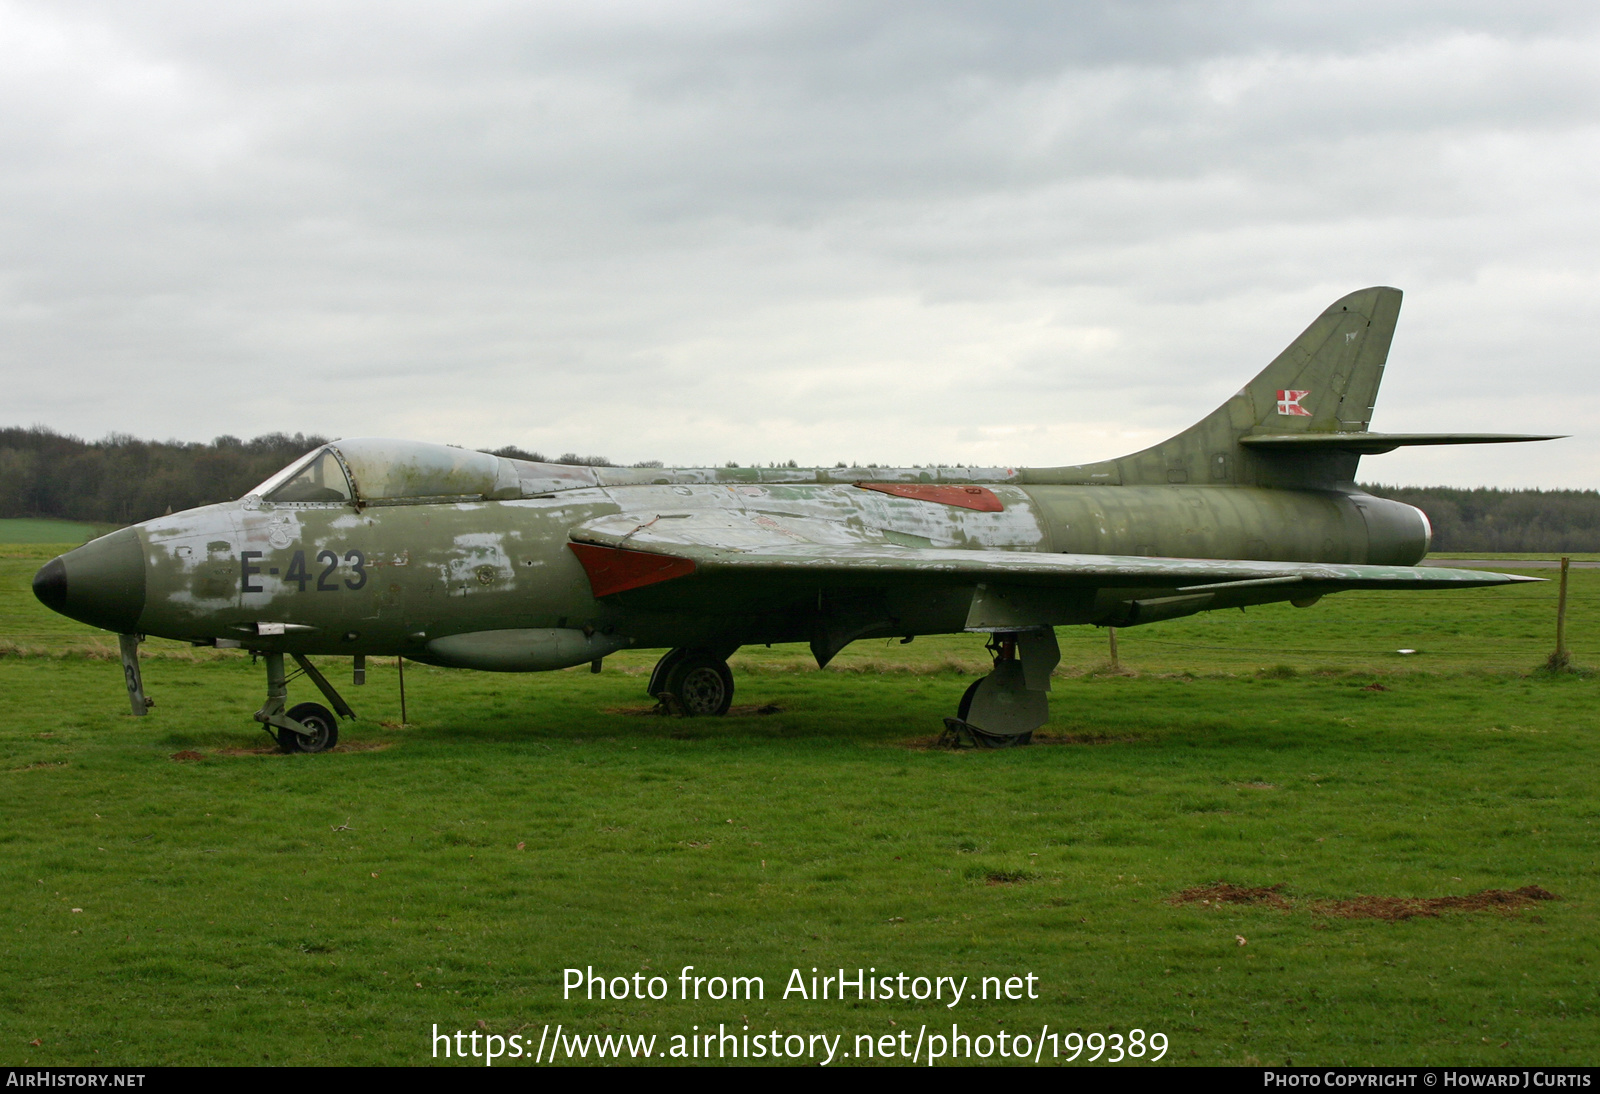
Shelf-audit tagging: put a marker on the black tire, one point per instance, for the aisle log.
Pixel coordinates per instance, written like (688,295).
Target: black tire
(658,675)
(702,683)
(964,707)
(317,718)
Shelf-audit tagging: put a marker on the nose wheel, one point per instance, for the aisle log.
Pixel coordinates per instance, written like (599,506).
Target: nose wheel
(316,718)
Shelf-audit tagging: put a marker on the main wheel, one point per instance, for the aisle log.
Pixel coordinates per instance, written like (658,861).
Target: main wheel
(702,682)
(986,736)
(964,707)
(319,720)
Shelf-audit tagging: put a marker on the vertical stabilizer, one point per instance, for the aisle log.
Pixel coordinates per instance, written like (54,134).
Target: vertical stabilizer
(1326,382)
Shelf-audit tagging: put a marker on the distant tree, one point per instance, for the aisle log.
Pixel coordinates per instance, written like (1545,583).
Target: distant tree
(122,479)
(512,452)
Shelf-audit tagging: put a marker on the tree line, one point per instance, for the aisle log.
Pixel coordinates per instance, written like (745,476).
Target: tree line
(1485,519)
(123,480)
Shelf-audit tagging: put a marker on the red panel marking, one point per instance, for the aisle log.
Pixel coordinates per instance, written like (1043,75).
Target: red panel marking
(980,498)
(616,570)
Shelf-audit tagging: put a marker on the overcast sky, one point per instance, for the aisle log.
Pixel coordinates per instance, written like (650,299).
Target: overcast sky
(1017,233)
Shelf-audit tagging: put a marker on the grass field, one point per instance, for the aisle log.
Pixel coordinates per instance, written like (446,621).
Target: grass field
(14,530)
(247,907)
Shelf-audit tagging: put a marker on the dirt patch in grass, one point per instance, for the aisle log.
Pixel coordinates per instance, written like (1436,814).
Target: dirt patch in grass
(1395,908)
(1006,877)
(188,755)
(1053,737)
(749,711)
(273,750)
(1390,908)
(1040,737)
(1222,892)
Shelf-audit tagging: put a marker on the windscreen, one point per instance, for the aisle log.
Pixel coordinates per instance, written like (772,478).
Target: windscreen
(322,479)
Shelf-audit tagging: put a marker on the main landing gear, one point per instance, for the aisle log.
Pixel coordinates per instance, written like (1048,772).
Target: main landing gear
(1004,708)
(694,681)
(307,727)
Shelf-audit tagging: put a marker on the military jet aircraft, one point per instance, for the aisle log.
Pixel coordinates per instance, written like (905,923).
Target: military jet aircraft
(459,558)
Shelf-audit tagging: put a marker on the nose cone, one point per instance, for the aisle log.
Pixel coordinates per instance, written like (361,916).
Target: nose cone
(100,583)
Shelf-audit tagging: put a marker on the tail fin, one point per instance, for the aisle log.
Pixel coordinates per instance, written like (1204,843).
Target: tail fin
(1326,382)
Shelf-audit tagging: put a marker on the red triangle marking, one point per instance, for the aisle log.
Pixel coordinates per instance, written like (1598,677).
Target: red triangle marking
(614,570)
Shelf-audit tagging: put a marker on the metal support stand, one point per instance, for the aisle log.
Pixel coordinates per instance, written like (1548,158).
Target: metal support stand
(129,644)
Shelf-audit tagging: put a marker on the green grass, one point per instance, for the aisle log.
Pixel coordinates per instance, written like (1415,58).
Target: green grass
(251,907)
(31,530)
(1509,556)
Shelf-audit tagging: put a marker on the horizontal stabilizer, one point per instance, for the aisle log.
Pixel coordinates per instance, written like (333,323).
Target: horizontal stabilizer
(1371,444)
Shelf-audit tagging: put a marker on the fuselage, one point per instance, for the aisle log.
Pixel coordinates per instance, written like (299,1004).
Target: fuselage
(332,577)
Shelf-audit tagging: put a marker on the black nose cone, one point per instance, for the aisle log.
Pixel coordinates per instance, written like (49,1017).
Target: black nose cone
(101,583)
(50,585)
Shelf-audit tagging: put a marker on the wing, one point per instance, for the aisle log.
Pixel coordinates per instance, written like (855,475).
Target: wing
(732,550)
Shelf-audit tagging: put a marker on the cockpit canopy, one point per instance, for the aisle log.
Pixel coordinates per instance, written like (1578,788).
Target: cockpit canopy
(375,469)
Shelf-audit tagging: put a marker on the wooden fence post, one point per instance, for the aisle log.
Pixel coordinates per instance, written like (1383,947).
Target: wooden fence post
(1561,660)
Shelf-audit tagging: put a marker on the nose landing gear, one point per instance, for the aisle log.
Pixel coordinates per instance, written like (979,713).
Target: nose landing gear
(1004,708)
(308,727)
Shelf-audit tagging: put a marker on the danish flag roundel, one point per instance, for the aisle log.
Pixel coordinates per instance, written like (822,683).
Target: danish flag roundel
(1289,403)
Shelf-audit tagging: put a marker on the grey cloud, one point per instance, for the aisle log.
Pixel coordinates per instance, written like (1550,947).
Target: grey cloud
(710,231)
